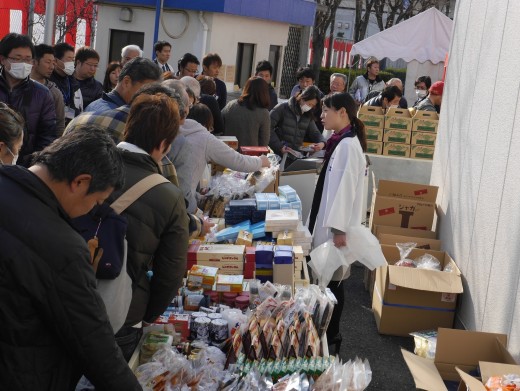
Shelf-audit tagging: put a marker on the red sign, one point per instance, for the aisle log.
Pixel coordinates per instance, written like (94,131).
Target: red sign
(420,192)
(386,211)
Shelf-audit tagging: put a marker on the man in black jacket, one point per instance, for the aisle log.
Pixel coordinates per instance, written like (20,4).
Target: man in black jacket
(86,64)
(53,321)
(264,69)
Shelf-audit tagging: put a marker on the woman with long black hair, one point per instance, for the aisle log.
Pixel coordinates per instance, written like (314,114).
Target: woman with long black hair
(338,198)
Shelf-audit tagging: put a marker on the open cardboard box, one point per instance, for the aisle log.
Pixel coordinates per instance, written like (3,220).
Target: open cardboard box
(457,350)
(487,370)
(409,299)
(416,233)
(424,243)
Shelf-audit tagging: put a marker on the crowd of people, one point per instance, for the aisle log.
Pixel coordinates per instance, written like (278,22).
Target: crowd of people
(70,144)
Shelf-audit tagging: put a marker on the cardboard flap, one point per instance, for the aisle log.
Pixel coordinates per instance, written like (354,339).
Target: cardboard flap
(472,383)
(425,280)
(413,191)
(429,115)
(488,369)
(372,110)
(424,372)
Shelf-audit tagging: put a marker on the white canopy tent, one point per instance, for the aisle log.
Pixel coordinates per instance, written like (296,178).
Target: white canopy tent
(422,41)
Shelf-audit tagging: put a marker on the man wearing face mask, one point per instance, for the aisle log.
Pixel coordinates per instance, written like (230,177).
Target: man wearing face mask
(389,98)
(422,85)
(66,82)
(32,100)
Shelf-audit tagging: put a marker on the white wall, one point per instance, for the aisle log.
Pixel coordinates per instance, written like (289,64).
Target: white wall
(477,164)
(415,69)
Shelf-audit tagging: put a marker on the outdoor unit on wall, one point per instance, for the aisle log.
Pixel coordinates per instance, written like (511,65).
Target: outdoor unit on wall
(126,14)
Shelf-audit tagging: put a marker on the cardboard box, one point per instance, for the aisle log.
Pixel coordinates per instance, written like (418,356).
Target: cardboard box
(375,147)
(399,212)
(273,186)
(254,151)
(397,136)
(409,299)
(231,141)
(487,370)
(245,238)
(457,349)
(285,237)
(371,116)
(283,274)
(396,149)
(418,233)
(424,138)
(397,118)
(202,275)
(221,252)
(374,134)
(422,152)
(408,190)
(424,243)
(227,283)
(425,121)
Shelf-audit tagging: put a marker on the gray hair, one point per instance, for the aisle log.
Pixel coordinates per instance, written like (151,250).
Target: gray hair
(393,81)
(179,89)
(340,75)
(193,84)
(131,48)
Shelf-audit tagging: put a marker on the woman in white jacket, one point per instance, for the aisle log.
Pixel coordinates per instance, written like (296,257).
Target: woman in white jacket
(338,198)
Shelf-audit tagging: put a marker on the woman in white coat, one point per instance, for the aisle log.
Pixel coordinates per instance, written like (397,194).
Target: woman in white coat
(338,198)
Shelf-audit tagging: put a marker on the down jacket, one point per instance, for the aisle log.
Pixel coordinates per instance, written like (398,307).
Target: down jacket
(36,104)
(157,237)
(289,126)
(53,322)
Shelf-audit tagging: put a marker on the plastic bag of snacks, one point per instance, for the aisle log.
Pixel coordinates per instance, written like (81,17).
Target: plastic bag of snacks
(425,343)
(427,261)
(352,376)
(510,382)
(404,251)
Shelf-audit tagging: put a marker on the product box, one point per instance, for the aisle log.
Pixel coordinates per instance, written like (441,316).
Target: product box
(371,116)
(283,219)
(202,275)
(425,121)
(417,233)
(375,147)
(374,134)
(283,274)
(285,237)
(424,243)
(408,299)
(424,138)
(397,136)
(422,152)
(397,118)
(463,350)
(254,151)
(227,283)
(250,263)
(488,370)
(396,149)
(229,258)
(231,141)
(245,238)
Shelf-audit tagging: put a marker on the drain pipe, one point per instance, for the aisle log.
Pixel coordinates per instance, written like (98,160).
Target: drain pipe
(204,34)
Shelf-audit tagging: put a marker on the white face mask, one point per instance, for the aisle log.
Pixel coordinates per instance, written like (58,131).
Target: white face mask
(68,67)
(15,157)
(305,107)
(421,93)
(20,70)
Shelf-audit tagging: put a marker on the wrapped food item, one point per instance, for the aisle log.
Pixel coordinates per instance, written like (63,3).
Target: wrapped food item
(425,343)
(427,261)
(153,341)
(404,251)
(510,382)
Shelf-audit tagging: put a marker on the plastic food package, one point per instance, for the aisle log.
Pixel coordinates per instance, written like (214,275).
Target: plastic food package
(448,268)
(425,343)
(404,251)
(427,261)
(352,376)
(510,382)
(325,260)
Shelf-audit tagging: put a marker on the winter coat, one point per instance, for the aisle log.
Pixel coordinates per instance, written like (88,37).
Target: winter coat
(289,126)
(108,101)
(250,127)
(363,85)
(206,148)
(157,237)
(221,92)
(273,98)
(212,104)
(54,324)
(425,105)
(59,106)
(91,90)
(36,104)
(71,92)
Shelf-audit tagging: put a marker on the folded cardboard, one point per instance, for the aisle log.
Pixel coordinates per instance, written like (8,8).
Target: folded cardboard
(397,118)
(397,136)
(423,138)
(460,349)
(424,243)
(231,141)
(422,152)
(396,149)
(425,121)
(374,134)
(372,116)
(408,299)
(375,147)
(418,233)
(487,370)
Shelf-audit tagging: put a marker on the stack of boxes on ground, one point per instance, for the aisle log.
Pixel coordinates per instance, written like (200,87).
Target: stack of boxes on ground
(398,133)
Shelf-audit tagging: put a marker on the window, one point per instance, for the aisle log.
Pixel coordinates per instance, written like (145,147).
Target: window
(119,39)
(244,64)
(275,53)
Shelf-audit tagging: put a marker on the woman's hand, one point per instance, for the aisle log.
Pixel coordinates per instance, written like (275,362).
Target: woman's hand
(340,240)
(318,147)
(265,161)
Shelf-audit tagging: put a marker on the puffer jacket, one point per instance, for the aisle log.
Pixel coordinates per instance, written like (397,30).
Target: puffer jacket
(290,127)
(361,86)
(54,326)
(157,237)
(69,88)
(36,104)
(91,90)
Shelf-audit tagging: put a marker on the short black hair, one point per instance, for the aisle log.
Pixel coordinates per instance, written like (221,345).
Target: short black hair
(187,58)
(85,53)
(202,114)
(424,79)
(13,41)
(61,48)
(310,93)
(140,69)
(211,58)
(263,65)
(159,45)
(65,158)
(391,92)
(41,50)
(305,72)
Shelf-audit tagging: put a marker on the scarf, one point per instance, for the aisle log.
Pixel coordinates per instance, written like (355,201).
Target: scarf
(334,140)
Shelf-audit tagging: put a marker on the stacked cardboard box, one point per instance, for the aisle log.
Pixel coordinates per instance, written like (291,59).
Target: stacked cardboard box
(374,119)
(424,134)
(228,258)
(397,133)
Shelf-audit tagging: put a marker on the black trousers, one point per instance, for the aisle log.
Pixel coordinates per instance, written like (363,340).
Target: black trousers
(339,292)
(127,339)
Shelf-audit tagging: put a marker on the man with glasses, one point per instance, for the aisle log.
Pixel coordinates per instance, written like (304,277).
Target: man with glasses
(86,63)
(29,98)
(188,65)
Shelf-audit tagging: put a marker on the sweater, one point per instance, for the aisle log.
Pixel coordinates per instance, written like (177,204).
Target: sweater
(250,127)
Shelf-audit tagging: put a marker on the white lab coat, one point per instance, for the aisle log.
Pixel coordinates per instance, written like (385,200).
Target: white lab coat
(342,200)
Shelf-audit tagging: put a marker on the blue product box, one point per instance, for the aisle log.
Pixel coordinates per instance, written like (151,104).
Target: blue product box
(283,257)
(288,192)
(264,254)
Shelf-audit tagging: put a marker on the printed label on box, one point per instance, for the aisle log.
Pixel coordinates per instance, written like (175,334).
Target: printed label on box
(448,297)
(420,191)
(387,211)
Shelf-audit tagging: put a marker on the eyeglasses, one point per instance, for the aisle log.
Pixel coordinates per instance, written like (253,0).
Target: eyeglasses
(91,65)
(27,60)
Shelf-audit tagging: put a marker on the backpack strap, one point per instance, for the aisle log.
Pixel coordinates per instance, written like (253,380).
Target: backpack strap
(131,195)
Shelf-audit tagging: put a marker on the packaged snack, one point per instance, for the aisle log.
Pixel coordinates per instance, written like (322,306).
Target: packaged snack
(510,382)
(404,251)
(425,343)
(427,261)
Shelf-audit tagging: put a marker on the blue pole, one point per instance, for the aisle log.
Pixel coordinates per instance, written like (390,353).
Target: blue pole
(158,6)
